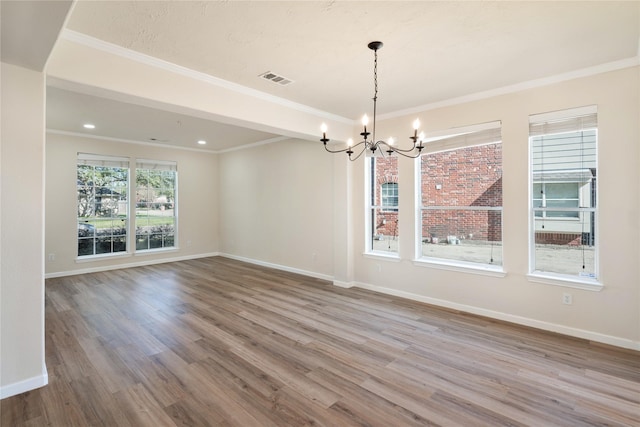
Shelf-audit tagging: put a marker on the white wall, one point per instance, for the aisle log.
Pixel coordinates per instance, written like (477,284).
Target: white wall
(276,205)
(197,202)
(269,216)
(22,222)
(611,315)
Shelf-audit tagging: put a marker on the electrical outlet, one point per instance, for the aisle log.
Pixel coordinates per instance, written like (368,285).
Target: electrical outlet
(567,299)
(188,243)
(51,257)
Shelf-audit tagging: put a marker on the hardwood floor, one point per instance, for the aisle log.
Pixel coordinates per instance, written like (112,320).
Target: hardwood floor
(222,343)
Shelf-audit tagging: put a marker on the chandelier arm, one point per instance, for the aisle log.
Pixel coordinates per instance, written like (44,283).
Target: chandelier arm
(335,151)
(353,159)
(397,149)
(365,143)
(408,155)
(401,150)
(344,150)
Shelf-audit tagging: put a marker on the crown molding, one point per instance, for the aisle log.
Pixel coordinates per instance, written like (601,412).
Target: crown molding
(253,144)
(157,145)
(532,84)
(92,42)
(125,141)
(171,146)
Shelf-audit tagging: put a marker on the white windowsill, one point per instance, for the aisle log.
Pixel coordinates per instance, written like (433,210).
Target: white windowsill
(156,251)
(100,257)
(575,282)
(461,266)
(391,256)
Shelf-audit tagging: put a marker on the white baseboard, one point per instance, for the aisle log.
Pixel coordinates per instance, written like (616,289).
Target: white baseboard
(279,267)
(345,285)
(127,265)
(24,385)
(538,324)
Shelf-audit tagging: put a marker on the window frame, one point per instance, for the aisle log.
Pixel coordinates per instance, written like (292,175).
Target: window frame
(149,166)
(446,141)
(581,119)
(373,188)
(112,162)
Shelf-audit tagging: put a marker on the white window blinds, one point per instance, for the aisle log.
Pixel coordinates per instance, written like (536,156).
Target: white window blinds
(156,165)
(468,136)
(104,161)
(574,120)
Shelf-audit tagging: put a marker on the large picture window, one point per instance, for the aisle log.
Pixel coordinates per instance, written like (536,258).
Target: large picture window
(102,190)
(382,221)
(461,196)
(156,208)
(564,193)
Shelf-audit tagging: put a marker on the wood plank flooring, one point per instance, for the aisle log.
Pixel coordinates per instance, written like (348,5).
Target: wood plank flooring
(216,342)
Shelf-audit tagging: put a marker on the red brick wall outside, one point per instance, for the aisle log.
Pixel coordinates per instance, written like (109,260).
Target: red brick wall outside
(469,176)
(570,239)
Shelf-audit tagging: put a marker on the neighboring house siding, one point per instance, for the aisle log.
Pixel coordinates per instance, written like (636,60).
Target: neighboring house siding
(561,159)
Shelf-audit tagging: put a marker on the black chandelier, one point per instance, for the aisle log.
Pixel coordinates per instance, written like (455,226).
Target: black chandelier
(372,145)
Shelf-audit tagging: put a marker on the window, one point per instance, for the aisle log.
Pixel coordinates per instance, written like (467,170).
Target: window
(461,196)
(390,196)
(155,204)
(552,194)
(563,193)
(382,221)
(102,189)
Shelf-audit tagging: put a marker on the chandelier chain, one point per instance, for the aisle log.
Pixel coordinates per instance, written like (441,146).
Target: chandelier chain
(375,93)
(375,75)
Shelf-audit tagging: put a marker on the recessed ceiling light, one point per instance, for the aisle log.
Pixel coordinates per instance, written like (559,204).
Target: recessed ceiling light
(202,142)
(89,126)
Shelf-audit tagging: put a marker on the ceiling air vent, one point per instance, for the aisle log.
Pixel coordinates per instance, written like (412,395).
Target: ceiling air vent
(276,78)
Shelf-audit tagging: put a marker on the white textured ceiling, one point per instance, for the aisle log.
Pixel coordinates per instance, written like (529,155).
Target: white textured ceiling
(68,111)
(433,51)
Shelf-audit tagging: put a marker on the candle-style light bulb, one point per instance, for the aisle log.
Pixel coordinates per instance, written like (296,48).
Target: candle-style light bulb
(391,141)
(416,126)
(365,120)
(350,142)
(323,128)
